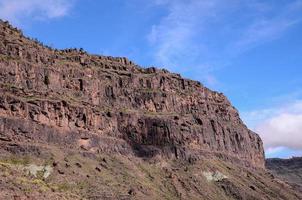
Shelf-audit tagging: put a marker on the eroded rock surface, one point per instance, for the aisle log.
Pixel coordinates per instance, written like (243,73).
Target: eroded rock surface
(99,103)
(80,126)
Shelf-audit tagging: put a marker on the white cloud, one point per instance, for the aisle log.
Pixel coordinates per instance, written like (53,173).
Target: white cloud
(269,23)
(282,130)
(199,36)
(173,37)
(262,31)
(279,127)
(16,10)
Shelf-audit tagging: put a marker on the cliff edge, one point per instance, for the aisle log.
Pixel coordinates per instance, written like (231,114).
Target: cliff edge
(93,99)
(81,126)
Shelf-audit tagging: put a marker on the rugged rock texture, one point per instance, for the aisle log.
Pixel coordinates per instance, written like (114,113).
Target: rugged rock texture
(290,170)
(105,128)
(91,99)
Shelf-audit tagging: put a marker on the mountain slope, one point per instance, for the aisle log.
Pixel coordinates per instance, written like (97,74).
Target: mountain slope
(77,126)
(290,170)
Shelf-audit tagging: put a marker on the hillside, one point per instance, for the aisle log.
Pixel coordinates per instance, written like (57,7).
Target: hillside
(80,126)
(290,170)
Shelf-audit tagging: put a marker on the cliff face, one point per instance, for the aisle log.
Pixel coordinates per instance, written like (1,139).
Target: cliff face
(79,126)
(110,104)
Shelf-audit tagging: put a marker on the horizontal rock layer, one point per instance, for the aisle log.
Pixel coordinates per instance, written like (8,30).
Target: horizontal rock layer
(99,103)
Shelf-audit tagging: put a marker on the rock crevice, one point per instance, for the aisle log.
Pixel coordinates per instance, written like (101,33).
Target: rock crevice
(146,111)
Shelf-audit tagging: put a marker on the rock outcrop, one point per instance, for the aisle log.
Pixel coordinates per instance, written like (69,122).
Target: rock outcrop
(98,103)
(80,126)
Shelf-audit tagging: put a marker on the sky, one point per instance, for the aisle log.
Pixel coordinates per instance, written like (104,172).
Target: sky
(248,49)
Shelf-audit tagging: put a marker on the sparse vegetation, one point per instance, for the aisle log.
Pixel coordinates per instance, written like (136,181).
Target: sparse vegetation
(17,160)
(119,174)
(69,140)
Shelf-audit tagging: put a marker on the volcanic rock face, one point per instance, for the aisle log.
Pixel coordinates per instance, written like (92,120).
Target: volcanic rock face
(110,104)
(80,126)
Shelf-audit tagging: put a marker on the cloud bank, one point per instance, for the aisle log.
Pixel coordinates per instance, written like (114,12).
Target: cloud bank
(17,10)
(279,127)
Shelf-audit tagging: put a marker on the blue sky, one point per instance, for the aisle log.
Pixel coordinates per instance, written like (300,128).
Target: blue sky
(248,49)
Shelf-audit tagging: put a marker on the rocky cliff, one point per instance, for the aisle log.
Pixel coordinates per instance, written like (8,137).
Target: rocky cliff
(80,126)
(72,98)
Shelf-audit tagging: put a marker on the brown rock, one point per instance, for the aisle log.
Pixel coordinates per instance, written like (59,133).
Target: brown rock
(146,112)
(162,135)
